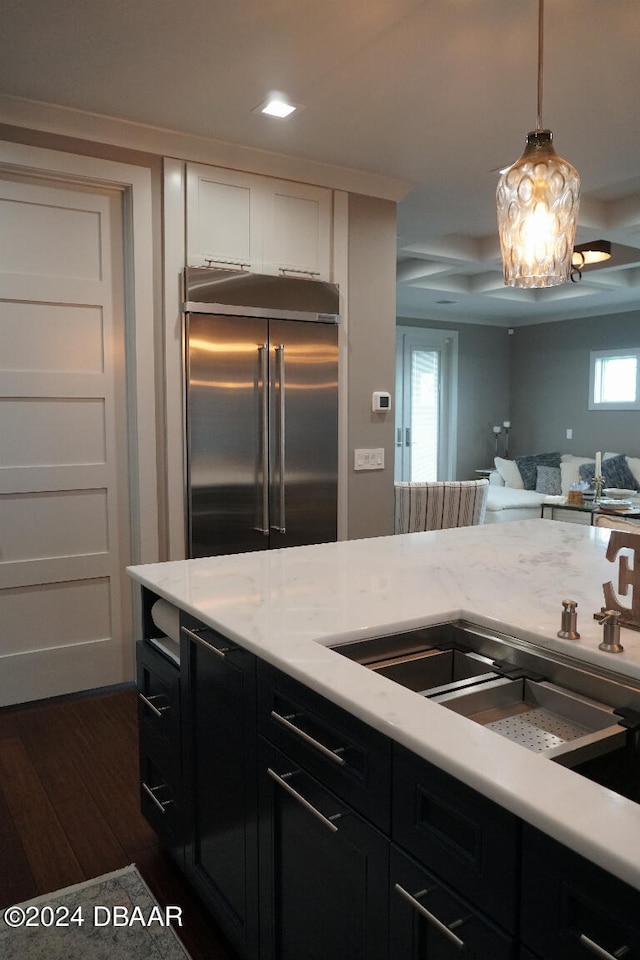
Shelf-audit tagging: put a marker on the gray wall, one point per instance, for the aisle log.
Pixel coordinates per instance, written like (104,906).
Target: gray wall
(550,387)
(371,359)
(483,390)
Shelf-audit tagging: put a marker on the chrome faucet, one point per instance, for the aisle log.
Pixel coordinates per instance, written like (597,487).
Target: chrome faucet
(611,632)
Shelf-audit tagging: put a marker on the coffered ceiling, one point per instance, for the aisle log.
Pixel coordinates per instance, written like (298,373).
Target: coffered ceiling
(438,93)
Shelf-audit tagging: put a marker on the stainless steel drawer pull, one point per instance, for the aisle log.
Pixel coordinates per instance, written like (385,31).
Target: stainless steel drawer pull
(150,793)
(325,751)
(220,651)
(243,264)
(438,924)
(327,821)
(600,951)
(148,702)
(298,273)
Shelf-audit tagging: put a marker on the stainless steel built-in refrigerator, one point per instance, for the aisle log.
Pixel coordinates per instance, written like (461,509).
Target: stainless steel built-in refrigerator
(262,411)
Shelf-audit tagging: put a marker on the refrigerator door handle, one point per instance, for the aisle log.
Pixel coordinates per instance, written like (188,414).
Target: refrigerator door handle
(281,527)
(263,352)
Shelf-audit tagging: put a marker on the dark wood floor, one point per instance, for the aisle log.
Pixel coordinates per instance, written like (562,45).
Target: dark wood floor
(69,808)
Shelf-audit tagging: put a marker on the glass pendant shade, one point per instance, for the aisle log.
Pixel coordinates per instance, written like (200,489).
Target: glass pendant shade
(537,199)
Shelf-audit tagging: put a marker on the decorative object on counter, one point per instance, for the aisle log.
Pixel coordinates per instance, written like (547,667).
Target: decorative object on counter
(569,621)
(615,493)
(496,433)
(597,485)
(597,479)
(628,577)
(611,632)
(575,494)
(507,426)
(537,199)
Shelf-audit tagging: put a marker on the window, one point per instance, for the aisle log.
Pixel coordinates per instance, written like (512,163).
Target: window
(614,380)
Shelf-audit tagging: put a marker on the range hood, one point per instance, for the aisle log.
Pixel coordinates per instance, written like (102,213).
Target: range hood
(237,292)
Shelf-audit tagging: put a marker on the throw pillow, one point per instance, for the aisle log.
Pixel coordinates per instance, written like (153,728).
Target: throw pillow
(548,480)
(509,472)
(528,467)
(634,466)
(615,473)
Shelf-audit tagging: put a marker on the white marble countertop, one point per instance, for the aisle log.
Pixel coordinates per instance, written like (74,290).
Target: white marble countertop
(286,606)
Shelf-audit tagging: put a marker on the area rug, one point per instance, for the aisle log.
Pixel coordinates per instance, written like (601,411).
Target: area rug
(114,917)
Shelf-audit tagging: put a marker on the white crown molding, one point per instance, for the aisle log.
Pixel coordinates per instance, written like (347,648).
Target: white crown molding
(52,118)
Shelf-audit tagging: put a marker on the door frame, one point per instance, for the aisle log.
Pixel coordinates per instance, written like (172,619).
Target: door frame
(446,342)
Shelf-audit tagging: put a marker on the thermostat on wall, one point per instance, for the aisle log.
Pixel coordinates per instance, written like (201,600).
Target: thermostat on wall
(381,401)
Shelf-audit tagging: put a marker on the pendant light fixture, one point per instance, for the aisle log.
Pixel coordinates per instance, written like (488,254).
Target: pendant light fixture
(537,199)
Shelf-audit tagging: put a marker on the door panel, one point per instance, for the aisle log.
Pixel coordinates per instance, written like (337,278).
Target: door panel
(426,406)
(304,432)
(64,516)
(225,415)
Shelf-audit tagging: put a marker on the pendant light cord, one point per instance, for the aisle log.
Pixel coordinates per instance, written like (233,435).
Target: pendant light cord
(540,58)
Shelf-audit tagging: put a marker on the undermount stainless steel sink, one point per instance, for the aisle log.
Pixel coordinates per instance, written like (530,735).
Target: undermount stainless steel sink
(543,701)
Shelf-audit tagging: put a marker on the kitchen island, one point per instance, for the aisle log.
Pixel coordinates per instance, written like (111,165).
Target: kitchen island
(289,607)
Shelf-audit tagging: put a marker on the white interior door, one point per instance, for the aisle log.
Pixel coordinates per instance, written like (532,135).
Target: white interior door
(64,506)
(426,388)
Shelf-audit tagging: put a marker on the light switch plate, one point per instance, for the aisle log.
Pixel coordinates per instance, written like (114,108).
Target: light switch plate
(369,459)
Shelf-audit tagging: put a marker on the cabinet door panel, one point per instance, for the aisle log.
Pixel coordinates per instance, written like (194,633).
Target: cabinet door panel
(221,852)
(429,922)
(224,223)
(587,912)
(324,870)
(298,239)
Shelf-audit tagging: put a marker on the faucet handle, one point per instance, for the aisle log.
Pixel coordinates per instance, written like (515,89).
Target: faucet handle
(611,632)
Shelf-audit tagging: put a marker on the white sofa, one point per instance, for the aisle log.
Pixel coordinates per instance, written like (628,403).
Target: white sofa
(508,500)
(507,503)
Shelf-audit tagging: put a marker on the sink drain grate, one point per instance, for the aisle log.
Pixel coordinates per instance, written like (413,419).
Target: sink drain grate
(537,729)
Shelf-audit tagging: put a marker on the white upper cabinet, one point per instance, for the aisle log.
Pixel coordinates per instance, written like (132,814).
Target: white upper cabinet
(223,220)
(243,221)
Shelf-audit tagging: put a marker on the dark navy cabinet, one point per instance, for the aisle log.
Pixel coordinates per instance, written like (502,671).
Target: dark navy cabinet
(310,835)
(470,842)
(219,747)
(430,921)
(160,753)
(325,806)
(572,909)
(324,870)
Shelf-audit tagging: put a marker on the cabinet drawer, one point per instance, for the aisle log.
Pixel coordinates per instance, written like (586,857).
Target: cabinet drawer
(429,920)
(159,800)
(572,909)
(158,695)
(466,839)
(345,754)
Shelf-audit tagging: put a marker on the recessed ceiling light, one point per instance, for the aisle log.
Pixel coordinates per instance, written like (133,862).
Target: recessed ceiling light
(276,107)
